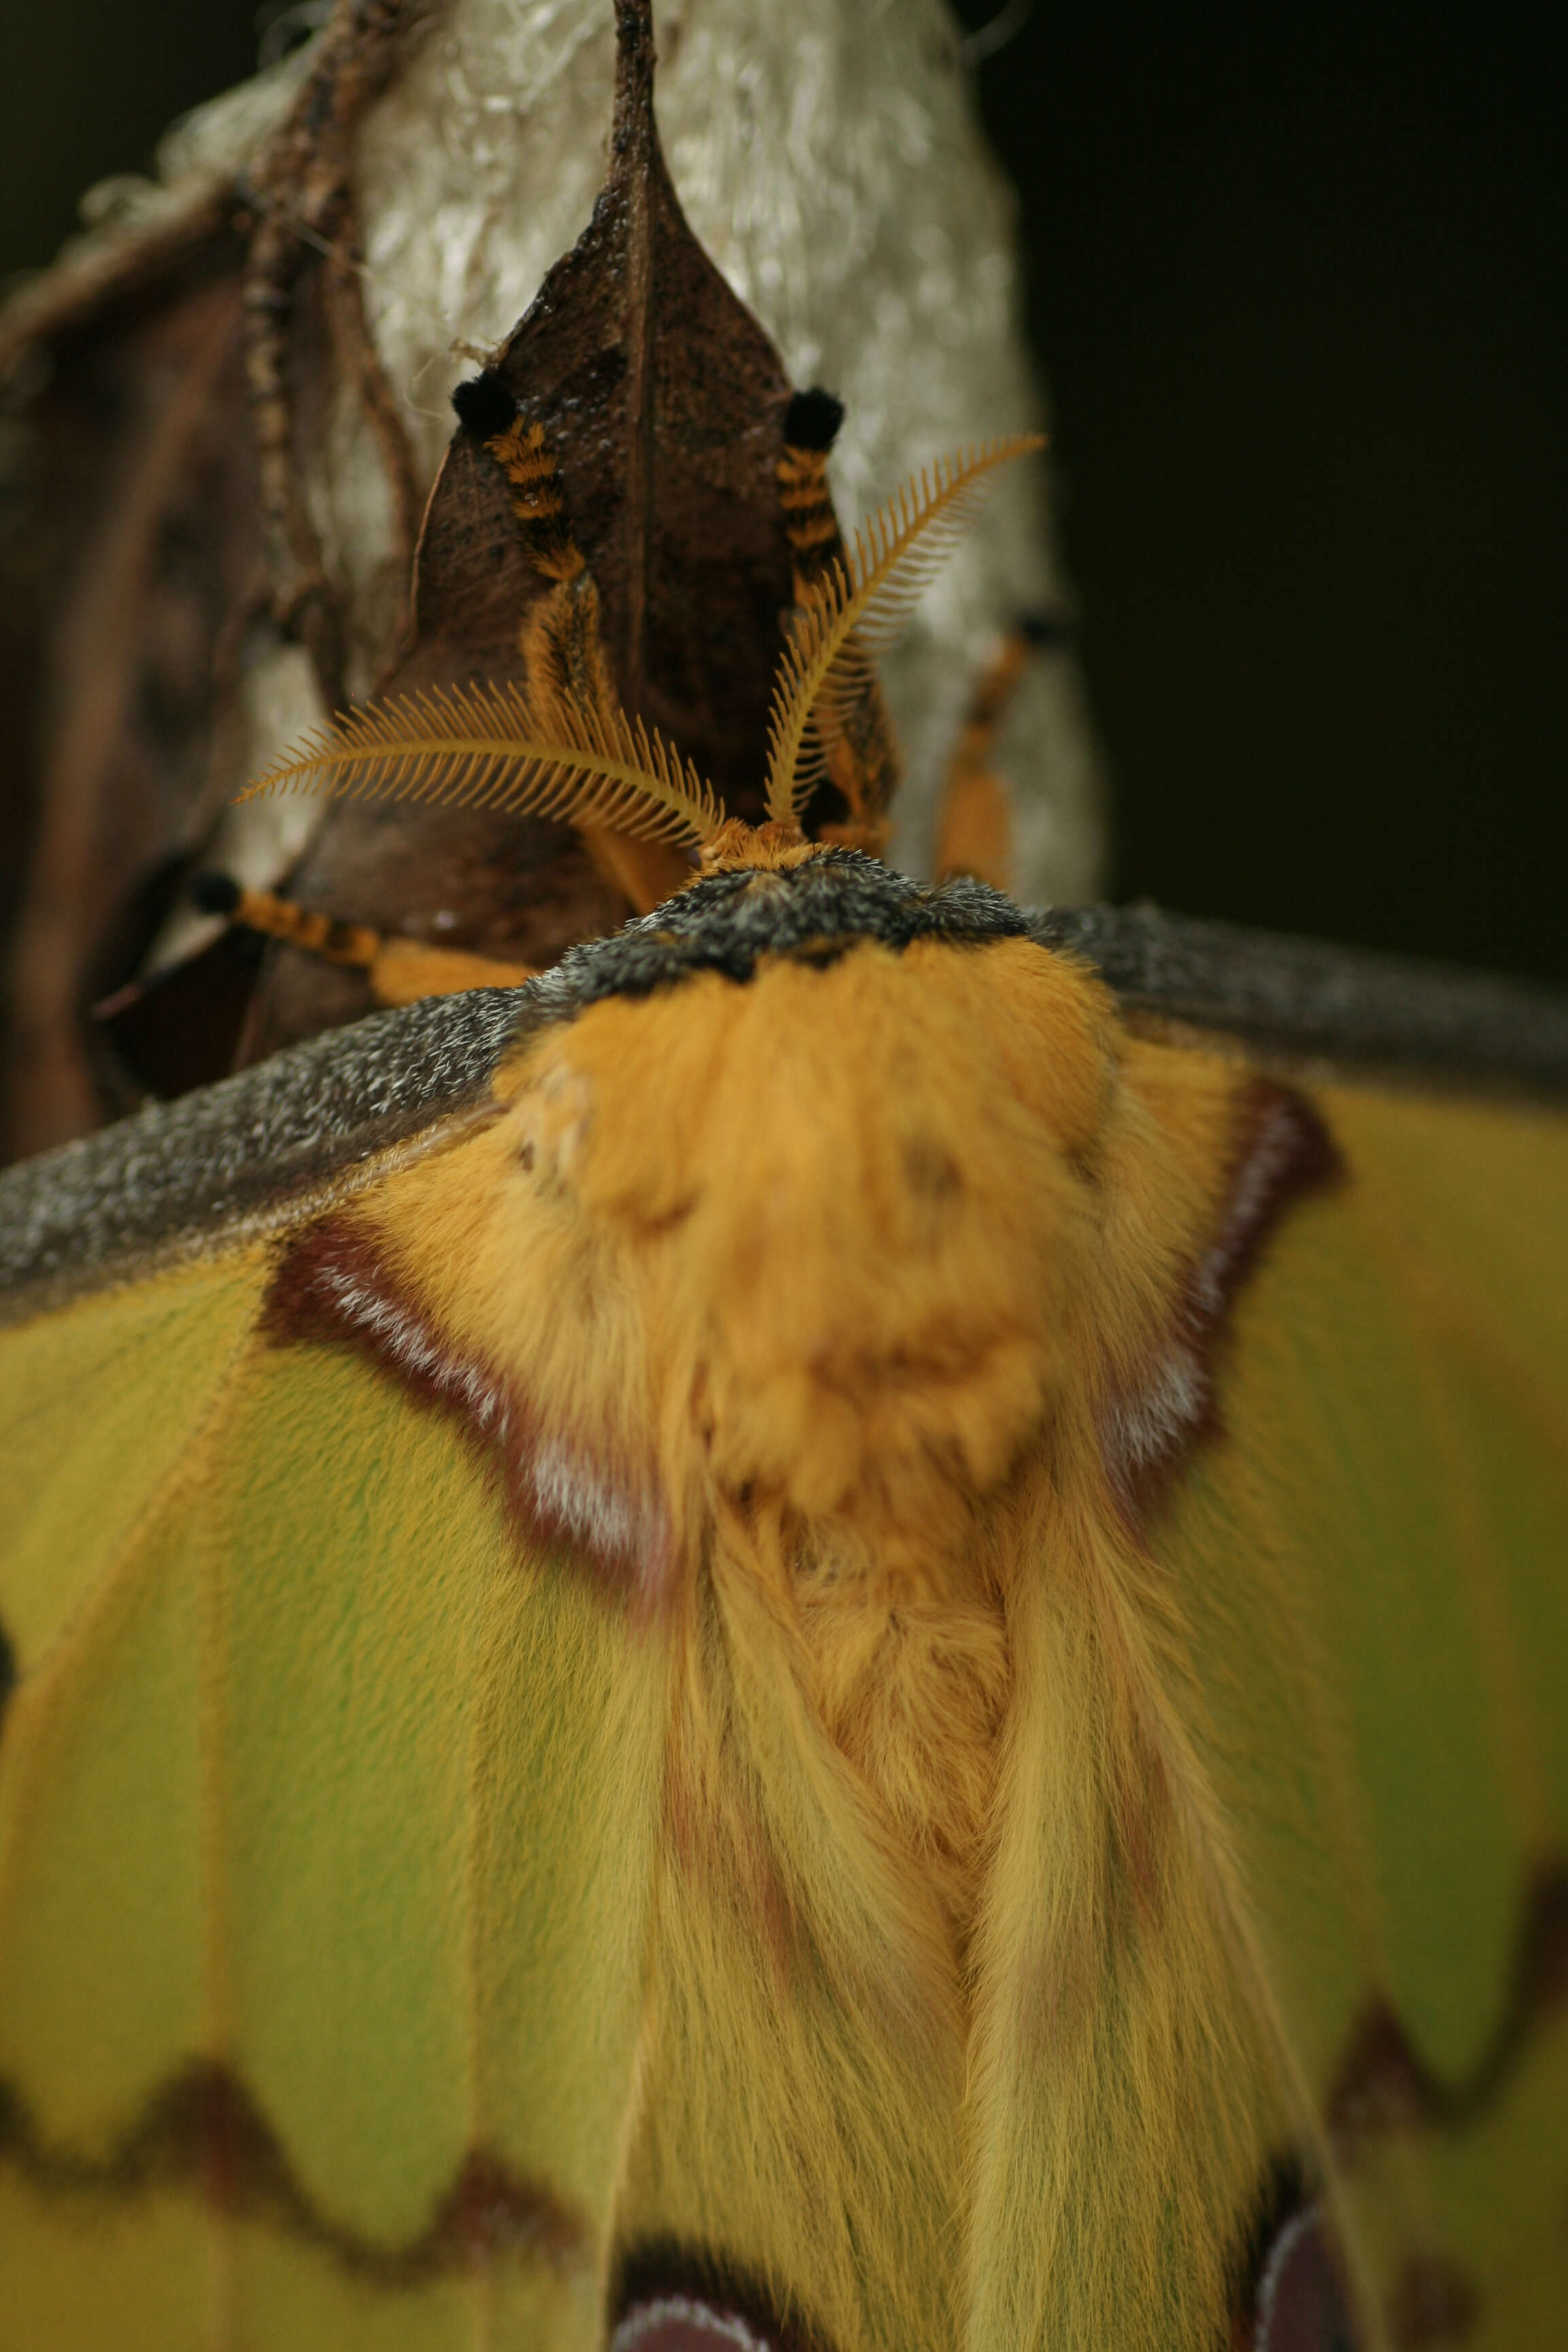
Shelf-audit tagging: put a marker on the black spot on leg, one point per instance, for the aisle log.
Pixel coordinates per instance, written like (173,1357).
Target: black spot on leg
(811,419)
(484,405)
(7,1673)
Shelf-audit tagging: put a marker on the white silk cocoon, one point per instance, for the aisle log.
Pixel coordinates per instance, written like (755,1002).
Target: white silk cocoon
(829,158)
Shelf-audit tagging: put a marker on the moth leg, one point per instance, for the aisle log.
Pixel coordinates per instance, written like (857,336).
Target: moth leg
(401,971)
(562,648)
(975,831)
(858,752)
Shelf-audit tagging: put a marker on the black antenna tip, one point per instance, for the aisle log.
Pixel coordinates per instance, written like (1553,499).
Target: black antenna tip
(811,419)
(214,894)
(484,405)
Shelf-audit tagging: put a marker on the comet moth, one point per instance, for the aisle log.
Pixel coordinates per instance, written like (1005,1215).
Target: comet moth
(843,1626)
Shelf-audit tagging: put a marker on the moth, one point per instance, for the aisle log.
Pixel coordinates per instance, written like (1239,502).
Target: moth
(189,582)
(841,1627)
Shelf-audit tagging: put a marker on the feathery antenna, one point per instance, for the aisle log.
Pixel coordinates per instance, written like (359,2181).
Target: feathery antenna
(486,746)
(491,746)
(862,603)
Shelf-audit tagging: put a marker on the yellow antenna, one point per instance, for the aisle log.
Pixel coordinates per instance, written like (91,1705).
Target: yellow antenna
(486,746)
(861,604)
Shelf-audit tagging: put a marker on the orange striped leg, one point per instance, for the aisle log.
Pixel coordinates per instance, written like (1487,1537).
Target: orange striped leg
(401,971)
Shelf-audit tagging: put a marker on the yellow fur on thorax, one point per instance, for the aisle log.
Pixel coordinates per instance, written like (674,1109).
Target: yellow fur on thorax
(847,1259)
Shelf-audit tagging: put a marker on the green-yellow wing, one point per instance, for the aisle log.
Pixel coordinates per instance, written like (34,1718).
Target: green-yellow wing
(1373,1553)
(325,1812)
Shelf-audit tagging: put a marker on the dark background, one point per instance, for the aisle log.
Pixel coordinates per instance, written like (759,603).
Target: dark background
(1298,278)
